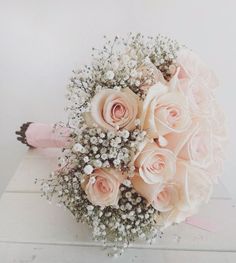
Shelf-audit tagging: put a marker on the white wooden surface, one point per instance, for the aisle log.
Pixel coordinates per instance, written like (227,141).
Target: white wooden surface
(32,230)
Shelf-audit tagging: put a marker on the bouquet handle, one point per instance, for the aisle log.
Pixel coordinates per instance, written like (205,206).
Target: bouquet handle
(42,135)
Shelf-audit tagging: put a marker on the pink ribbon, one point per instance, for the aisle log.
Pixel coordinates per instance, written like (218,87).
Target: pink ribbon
(40,135)
(201,223)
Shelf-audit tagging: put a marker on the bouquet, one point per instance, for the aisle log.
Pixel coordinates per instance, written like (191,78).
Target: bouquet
(144,141)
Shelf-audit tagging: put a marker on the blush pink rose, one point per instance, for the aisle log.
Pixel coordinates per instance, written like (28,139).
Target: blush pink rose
(102,187)
(219,142)
(164,112)
(163,197)
(147,191)
(202,145)
(155,164)
(114,110)
(166,198)
(198,148)
(178,198)
(191,66)
(196,81)
(183,197)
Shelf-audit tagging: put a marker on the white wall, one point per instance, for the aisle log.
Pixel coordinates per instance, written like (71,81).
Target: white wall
(42,41)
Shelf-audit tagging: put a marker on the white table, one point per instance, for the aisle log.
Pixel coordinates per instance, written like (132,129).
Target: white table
(32,230)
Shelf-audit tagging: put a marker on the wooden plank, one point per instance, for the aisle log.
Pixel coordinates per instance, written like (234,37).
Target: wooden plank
(38,163)
(27,217)
(38,253)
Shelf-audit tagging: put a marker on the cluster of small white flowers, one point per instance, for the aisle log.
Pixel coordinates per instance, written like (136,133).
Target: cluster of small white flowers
(96,148)
(132,219)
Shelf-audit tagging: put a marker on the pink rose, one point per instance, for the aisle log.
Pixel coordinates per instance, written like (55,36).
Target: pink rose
(194,145)
(155,164)
(191,66)
(202,144)
(218,122)
(164,112)
(102,187)
(219,142)
(113,110)
(183,197)
(147,191)
(196,81)
(178,198)
(161,196)
(166,199)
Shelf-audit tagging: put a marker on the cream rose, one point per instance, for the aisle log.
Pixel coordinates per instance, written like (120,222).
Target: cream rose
(155,165)
(102,187)
(113,110)
(164,112)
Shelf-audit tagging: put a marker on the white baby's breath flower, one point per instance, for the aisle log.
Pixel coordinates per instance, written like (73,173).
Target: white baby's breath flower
(123,216)
(92,132)
(133,73)
(94,149)
(98,88)
(102,135)
(86,159)
(92,179)
(127,183)
(118,140)
(120,156)
(125,134)
(109,75)
(110,135)
(125,59)
(137,83)
(88,169)
(93,140)
(128,206)
(137,122)
(104,156)
(147,60)
(116,162)
(128,194)
(162,141)
(106,164)
(78,147)
(132,63)
(103,150)
(90,207)
(114,143)
(97,163)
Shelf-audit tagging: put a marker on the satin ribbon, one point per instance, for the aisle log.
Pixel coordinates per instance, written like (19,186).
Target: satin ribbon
(201,223)
(40,135)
